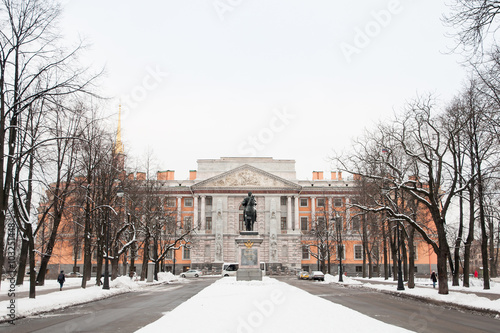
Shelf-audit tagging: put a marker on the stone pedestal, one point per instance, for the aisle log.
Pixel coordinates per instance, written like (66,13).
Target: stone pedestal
(248,245)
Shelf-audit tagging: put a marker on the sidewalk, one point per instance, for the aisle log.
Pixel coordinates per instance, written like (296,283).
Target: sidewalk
(488,294)
(25,293)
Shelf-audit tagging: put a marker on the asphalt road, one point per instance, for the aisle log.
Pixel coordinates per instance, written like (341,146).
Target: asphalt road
(411,314)
(122,313)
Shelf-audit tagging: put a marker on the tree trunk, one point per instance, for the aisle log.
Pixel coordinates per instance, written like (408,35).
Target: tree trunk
(442,257)
(484,233)
(132,258)
(493,267)
(48,251)
(87,258)
(386,268)
(114,267)
(458,242)
(405,258)
(99,260)
(145,258)
(411,259)
(23,258)
(470,236)
(31,251)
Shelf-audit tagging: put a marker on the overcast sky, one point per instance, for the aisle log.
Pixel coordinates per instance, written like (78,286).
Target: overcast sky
(290,79)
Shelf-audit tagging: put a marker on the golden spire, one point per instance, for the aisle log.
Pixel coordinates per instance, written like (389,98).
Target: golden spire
(118,143)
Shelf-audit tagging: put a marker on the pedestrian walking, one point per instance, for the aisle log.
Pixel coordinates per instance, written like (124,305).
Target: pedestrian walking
(476,274)
(61,278)
(434,279)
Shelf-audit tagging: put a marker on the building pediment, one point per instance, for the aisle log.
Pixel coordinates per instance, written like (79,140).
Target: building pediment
(247,176)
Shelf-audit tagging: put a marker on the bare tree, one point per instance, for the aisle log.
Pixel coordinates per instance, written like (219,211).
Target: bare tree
(412,157)
(33,66)
(474,20)
(63,164)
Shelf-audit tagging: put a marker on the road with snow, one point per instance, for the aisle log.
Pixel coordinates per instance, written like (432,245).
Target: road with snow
(407,313)
(122,313)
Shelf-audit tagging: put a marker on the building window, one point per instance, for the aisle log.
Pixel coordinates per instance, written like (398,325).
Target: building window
(320,202)
(169,254)
(170,202)
(283,223)
(359,269)
(208,201)
(358,252)
(188,222)
(188,202)
(321,223)
(79,254)
(208,223)
(355,223)
(339,223)
(303,224)
(304,202)
(337,202)
(186,253)
(415,252)
(305,252)
(284,201)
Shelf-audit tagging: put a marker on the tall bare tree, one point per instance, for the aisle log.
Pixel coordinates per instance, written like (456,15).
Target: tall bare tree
(33,66)
(412,157)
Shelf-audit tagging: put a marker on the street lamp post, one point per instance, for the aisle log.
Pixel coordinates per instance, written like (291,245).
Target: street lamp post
(340,248)
(400,274)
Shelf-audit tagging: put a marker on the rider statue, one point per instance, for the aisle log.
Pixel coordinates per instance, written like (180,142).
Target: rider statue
(249,212)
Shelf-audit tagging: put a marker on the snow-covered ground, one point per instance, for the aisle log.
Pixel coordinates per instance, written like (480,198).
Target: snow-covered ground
(267,306)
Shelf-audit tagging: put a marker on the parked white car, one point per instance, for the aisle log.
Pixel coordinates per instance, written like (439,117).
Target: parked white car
(191,273)
(317,275)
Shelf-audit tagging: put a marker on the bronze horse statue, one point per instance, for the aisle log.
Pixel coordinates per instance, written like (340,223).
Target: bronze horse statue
(250,213)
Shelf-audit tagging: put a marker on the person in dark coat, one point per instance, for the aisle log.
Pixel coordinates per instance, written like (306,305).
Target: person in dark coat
(61,278)
(434,279)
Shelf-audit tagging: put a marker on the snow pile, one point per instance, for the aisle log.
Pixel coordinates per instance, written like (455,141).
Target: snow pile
(335,279)
(249,307)
(123,282)
(167,277)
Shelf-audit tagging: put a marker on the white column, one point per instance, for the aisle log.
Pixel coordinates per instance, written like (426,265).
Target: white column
(330,209)
(297,219)
(313,209)
(202,212)
(348,214)
(195,212)
(179,208)
(289,213)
